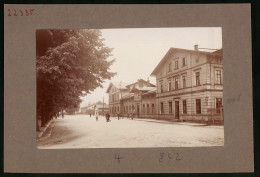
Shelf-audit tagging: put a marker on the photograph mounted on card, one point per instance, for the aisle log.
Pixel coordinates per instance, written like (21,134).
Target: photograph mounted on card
(147,94)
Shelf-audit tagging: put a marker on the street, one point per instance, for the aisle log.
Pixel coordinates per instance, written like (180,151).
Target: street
(83,131)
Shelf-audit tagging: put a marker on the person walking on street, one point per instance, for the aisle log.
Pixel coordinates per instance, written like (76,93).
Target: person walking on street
(108,117)
(132,116)
(96,116)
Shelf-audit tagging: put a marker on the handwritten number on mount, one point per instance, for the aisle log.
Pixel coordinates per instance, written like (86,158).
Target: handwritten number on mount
(31,11)
(9,12)
(169,156)
(15,14)
(177,157)
(117,157)
(27,13)
(23,12)
(161,157)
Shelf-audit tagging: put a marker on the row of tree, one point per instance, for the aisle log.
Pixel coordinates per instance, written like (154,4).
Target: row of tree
(70,64)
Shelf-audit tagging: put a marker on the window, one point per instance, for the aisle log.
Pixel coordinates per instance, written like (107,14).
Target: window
(147,109)
(218,77)
(184,105)
(170,67)
(198,106)
(184,81)
(161,108)
(170,107)
(218,105)
(176,64)
(183,61)
(176,84)
(161,87)
(152,108)
(169,85)
(197,78)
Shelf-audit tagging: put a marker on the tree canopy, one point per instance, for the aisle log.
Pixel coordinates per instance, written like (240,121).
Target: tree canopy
(70,64)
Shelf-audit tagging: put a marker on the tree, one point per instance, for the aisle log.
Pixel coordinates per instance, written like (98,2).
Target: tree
(70,64)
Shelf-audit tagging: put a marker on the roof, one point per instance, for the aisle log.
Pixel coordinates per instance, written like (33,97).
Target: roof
(172,50)
(139,81)
(119,85)
(141,89)
(153,90)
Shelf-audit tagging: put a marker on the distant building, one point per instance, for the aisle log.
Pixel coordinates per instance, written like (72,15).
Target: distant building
(116,91)
(190,85)
(101,109)
(140,101)
(87,109)
(125,98)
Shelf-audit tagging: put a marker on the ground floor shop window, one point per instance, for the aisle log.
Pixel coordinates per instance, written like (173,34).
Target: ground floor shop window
(184,105)
(170,107)
(161,108)
(152,108)
(198,106)
(218,105)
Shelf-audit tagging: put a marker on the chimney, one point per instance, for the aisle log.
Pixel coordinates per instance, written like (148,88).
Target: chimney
(196,47)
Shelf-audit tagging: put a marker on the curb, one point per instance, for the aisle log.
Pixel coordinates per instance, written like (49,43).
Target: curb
(39,134)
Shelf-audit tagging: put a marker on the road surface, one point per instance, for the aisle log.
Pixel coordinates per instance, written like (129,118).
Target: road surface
(81,131)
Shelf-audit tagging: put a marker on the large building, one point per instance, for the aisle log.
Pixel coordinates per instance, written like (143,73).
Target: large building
(190,85)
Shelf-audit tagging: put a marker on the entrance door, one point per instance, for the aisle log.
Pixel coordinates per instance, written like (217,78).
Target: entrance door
(218,105)
(138,110)
(177,111)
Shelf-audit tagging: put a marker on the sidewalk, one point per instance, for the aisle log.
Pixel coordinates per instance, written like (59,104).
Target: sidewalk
(43,129)
(165,121)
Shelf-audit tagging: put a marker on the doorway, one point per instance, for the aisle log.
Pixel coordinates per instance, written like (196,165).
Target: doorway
(138,111)
(177,111)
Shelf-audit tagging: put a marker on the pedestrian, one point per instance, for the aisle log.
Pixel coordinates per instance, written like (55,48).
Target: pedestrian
(96,116)
(108,117)
(118,116)
(132,116)
(90,114)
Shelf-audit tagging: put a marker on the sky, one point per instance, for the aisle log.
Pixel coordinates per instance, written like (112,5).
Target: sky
(139,50)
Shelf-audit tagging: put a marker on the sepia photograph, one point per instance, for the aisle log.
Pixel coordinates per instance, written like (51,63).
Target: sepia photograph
(129,88)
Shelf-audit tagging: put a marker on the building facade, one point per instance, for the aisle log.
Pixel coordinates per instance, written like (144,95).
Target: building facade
(190,85)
